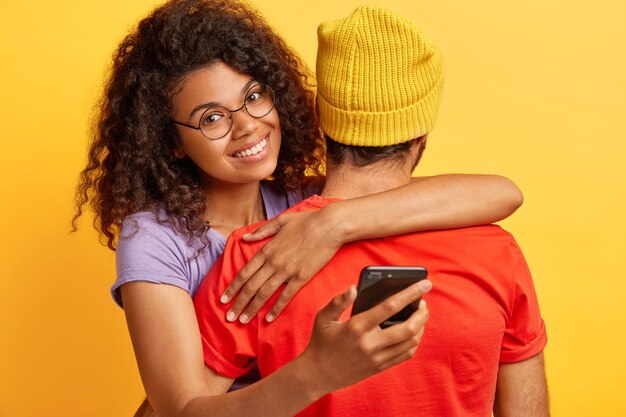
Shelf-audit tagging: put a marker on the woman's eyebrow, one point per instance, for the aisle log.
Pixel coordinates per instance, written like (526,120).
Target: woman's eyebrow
(203,106)
(247,86)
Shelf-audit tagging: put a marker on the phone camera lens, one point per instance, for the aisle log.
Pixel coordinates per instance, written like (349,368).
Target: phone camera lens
(375,275)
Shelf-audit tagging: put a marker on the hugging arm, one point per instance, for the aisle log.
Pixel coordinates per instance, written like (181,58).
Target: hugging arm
(429,203)
(305,242)
(166,339)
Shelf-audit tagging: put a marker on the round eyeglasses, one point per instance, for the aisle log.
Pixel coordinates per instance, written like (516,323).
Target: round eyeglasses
(217,121)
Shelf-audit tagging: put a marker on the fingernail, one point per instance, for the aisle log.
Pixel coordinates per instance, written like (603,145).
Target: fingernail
(425,285)
(269,318)
(230,316)
(244,318)
(224,299)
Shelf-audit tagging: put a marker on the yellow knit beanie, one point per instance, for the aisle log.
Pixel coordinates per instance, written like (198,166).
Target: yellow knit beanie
(379,79)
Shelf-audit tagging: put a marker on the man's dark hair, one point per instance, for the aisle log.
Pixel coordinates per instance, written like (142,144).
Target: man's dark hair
(361,156)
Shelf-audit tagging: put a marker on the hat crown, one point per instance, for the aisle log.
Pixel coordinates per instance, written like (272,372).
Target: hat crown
(376,68)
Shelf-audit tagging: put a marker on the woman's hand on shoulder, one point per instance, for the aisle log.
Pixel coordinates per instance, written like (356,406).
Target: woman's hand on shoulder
(301,245)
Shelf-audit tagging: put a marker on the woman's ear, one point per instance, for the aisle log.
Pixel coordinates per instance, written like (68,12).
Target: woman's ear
(179,153)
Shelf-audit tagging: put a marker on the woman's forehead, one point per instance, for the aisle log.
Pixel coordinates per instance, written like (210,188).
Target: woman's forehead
(216,83)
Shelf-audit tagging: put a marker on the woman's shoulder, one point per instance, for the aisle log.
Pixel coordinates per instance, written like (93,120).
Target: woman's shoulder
(151,249)
(147,229)
(150,234)
(146,223)
(153,225)
(148,237)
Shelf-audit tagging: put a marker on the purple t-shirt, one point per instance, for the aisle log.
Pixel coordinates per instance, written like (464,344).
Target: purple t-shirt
(153,252)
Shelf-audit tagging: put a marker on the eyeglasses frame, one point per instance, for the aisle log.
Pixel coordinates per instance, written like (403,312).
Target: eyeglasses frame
(230,113)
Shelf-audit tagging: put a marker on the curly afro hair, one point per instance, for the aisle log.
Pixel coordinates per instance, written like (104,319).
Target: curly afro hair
(131,164)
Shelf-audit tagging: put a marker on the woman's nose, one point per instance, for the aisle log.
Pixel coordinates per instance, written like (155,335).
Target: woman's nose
(244,124)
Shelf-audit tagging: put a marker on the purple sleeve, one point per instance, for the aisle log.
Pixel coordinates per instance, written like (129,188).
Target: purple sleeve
(277,202)
(152,252)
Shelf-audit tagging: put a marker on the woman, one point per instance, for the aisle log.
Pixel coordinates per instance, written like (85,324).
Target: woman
(204,102)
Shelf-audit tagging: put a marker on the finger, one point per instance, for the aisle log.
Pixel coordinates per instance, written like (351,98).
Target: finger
(263,294)
(266,230)
(333,310)
(395,354)
(392,305)
(244,275)
(247,292)
(406,346)
(398,359)
(399,333)
(284,298)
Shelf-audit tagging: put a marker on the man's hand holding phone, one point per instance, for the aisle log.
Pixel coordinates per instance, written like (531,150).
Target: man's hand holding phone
(342,353)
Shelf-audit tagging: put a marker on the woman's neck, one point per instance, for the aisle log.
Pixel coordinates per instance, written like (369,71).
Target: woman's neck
(233,206)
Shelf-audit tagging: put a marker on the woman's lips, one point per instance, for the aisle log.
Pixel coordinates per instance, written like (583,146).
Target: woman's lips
(252,150)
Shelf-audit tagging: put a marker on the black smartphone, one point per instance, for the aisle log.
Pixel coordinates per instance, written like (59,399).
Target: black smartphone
(377,283)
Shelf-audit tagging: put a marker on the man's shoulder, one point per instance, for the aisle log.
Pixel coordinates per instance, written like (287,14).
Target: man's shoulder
(486,232)
(483,231)
(478,244)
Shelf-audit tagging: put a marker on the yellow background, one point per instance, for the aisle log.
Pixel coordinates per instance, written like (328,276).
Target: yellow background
(536,91)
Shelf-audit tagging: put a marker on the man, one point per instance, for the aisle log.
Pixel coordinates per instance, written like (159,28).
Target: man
(379,85)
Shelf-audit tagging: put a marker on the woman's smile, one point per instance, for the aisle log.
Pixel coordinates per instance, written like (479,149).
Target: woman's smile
(254,151)
(248,152)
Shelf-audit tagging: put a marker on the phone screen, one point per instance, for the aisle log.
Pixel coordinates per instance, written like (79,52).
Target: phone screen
(377,283)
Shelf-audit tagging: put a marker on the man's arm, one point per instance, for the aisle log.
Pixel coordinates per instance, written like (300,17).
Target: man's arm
(522,390)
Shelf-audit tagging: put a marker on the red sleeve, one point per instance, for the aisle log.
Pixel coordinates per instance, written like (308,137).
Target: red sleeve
(525,334)
(228,347)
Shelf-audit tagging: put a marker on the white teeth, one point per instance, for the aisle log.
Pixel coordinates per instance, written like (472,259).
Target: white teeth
(253,150)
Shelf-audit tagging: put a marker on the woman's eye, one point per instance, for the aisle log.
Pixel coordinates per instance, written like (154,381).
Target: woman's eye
(211,118)
(254,96)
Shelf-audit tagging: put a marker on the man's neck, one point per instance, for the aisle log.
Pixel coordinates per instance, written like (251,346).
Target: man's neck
(348,181)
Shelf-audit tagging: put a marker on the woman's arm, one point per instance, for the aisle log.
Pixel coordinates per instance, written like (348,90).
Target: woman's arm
(427,203)
(165,336)
(305,242)
(164,332)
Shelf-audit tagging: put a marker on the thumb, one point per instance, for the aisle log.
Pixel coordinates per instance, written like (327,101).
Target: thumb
(268,229)
(333,310)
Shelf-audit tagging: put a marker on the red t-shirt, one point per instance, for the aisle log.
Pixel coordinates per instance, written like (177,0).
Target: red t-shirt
(483,311)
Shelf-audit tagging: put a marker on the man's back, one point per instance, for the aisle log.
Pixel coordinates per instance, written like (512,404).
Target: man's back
(483,311)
